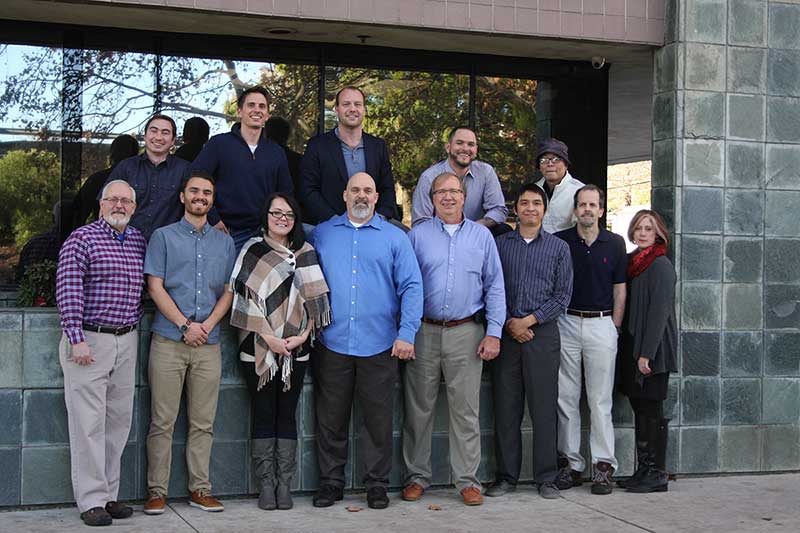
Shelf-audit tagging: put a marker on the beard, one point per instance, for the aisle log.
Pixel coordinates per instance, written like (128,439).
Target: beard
(117,222)
(587,221)
(361,211)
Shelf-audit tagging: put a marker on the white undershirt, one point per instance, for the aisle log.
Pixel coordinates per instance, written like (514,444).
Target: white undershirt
(253,148)
(357,224)
(451,228)
(527,240)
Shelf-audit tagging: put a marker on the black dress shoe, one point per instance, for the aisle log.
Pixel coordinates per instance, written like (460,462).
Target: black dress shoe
(96,516)
(119,510)
(500,488)
(327,495)
(377,498)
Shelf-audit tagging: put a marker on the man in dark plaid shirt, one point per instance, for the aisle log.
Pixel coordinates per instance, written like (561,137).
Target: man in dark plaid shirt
(98,292)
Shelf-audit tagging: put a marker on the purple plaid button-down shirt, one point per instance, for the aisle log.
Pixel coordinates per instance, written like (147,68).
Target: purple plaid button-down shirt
(100,278)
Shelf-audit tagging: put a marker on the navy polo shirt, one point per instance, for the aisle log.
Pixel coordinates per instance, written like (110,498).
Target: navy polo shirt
(597,269)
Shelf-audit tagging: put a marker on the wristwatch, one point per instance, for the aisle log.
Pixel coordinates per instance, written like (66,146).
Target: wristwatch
(185,327)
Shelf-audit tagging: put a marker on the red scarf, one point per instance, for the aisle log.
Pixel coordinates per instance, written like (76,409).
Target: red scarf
(642,259)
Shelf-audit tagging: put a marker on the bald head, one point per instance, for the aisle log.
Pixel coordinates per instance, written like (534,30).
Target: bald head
(360,197)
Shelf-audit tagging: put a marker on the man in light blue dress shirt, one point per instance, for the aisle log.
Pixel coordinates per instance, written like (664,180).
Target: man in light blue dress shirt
(376,306)
(464,312)
(483,203)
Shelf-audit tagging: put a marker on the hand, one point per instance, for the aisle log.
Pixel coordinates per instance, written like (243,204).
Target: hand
(196,335)
(222,227)
(81,354)
(524,337)
(644,366)
(293,342)
(518,326)
(402,350)
(489,348)
(278,346)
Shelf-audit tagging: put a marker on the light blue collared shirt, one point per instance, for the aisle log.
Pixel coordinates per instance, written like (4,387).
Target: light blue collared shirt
(375,283)
(461,274)
(195,267)
(354,159)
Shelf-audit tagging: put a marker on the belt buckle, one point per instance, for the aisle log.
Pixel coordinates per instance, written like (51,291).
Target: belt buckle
(444,324)
(118,331)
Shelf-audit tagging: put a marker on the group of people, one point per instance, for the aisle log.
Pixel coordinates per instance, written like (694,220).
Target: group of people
(334,284)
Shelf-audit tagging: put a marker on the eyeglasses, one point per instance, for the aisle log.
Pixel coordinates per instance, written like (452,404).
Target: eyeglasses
(545,160)
(126,202)
(451,192)
(280,214)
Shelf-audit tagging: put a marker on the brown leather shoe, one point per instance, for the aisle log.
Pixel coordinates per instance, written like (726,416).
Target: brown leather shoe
(472,496)
(119,510)
(412,492)
(155,504)
(202,499)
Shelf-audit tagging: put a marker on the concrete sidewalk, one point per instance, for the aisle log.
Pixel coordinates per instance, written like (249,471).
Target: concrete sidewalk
(740,503)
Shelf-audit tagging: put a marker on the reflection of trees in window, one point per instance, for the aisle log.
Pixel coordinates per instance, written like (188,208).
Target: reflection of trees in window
(506,118)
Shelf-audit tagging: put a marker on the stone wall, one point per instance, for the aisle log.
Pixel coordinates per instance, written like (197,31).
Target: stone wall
(726,173)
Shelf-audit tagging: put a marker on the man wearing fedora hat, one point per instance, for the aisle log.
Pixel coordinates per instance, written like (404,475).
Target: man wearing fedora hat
(560,186)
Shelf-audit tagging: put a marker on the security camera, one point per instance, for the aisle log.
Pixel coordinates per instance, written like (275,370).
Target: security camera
(598,62)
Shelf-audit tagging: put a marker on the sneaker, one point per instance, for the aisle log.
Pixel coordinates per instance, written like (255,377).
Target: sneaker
(155,504)
(327,495)
(549,491)
(202,499)
(377,498)
(96,516)
(412,492)
(601,478)
(499,488)
(472,496)
(568,478)
(119,510)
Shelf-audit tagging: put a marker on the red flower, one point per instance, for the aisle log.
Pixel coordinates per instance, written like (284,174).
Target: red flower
(40,302)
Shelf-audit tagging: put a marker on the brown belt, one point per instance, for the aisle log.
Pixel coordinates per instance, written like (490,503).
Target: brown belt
(448,323)
(589,314)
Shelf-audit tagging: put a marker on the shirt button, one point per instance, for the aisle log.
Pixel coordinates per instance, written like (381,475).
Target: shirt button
(354,286)
(351,318)
(198,273)
(354,271)
(199,255)
(198,292)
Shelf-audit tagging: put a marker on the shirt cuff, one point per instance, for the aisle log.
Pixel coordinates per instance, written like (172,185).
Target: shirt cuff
(493,330)
(407,335)
(75,335)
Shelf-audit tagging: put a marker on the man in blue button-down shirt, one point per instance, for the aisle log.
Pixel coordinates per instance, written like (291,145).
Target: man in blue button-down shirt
(156,176)
(376,306)
(463,282)
(188,264)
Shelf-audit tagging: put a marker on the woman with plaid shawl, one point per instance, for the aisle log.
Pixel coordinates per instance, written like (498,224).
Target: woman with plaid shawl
(280,300)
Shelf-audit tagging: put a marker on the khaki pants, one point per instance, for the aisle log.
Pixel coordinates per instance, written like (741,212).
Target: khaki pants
(452,352)
(172,363)
(99,399)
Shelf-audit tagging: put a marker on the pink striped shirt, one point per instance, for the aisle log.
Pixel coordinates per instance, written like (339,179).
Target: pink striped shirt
(100,278)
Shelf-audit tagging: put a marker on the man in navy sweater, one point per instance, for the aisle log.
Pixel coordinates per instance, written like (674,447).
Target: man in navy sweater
(248,168)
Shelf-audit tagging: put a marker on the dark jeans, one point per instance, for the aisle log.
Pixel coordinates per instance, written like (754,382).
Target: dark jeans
(273,409)
(648,408)
(527,371)
(337,379)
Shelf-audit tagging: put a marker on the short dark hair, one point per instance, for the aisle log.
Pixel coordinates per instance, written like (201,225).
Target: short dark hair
(251,90)
(123,147)
(297,237)
(590,187)
(159,116)
(462,127)
(202,174)
(530,187)
(351,88)
(195,131)
(277,129)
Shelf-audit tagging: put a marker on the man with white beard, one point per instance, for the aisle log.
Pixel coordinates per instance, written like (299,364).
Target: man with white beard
(376,307)
(98,291)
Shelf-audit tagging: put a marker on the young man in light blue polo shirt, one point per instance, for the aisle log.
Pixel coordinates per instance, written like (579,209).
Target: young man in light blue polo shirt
(188,264)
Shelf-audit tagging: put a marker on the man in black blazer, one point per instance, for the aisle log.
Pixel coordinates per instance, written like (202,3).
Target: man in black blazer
(331,158)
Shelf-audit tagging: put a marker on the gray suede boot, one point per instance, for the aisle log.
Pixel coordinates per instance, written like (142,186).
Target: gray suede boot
(263,453)
(287,464)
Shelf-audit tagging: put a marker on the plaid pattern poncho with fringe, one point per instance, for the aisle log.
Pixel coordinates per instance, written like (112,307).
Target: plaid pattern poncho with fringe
(268,300)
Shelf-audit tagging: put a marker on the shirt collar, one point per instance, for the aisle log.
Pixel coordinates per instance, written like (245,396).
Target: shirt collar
(167,162)
(442,223)
(517,235)
(186,225)
(450,168)
(376,221)
(360,142)
(105,226)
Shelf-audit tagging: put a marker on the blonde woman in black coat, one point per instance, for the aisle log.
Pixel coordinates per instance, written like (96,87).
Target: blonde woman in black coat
(648,350)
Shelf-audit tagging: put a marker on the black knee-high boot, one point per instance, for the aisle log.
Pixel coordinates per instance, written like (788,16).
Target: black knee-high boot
(655,479)
(644,456)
